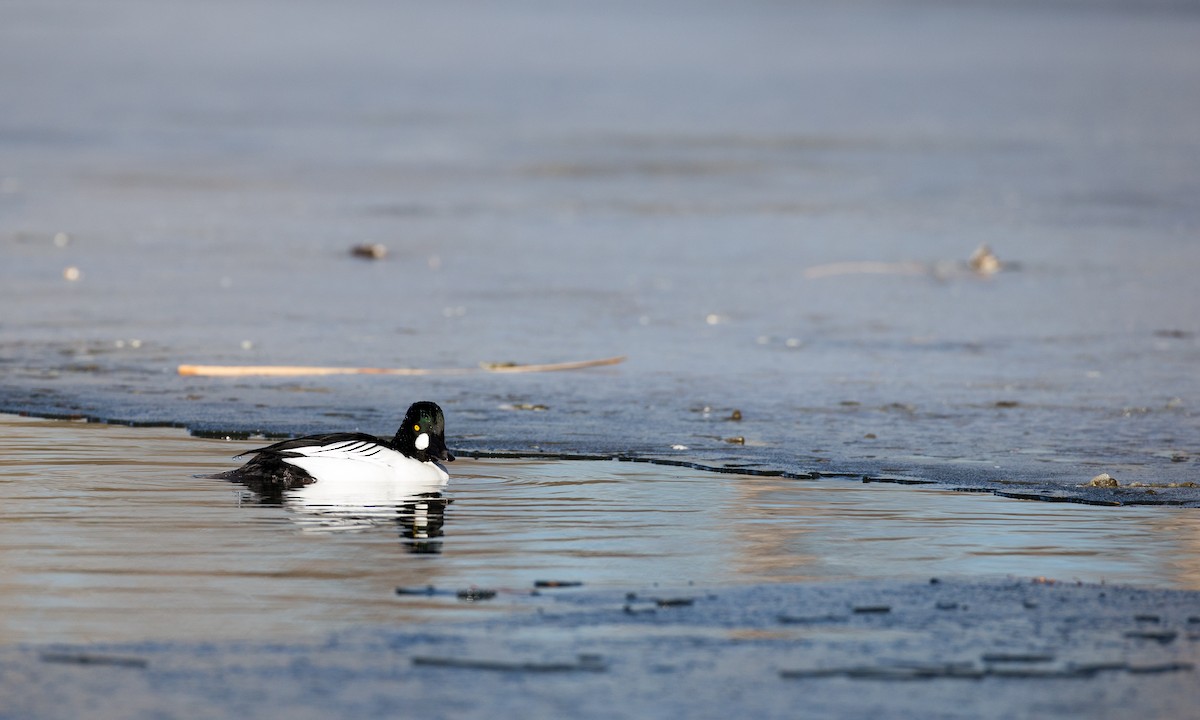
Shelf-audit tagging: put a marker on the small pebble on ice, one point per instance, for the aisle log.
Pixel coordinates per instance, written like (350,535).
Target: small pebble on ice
(370,251)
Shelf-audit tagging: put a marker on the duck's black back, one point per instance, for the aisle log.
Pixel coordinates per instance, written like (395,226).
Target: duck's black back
(281,448)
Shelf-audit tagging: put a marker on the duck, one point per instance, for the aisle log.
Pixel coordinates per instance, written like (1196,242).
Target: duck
(348,464)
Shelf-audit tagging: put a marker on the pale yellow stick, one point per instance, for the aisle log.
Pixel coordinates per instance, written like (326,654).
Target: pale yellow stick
(552,367)
(297,370)
(300,370)
(865,268)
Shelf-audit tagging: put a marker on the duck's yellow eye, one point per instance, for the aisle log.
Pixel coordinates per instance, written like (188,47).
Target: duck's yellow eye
(416,428)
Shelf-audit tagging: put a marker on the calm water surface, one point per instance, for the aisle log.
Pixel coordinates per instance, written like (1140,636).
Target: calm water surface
(109,535)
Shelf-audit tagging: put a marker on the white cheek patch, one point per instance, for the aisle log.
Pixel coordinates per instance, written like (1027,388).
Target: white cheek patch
(422,441)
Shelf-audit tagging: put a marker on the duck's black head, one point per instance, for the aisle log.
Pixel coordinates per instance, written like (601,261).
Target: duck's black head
(422,435)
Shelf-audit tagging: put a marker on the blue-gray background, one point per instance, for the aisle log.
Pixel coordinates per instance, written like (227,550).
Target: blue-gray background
(566,180)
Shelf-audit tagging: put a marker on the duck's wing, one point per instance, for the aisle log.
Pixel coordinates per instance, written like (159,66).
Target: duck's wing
(269,474)
(346,445)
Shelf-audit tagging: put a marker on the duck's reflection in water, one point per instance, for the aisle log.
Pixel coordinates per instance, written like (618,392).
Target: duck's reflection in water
(418,511)
(420,518)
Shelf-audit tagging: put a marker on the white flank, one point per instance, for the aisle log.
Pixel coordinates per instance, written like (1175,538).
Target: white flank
(364,474)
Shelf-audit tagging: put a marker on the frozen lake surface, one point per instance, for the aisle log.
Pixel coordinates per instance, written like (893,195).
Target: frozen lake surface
(681,184)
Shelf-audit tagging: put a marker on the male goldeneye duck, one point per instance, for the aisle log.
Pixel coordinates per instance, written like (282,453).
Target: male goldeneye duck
(354,462)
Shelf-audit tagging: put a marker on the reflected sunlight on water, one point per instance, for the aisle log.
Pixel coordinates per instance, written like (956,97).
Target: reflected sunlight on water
(108,534)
